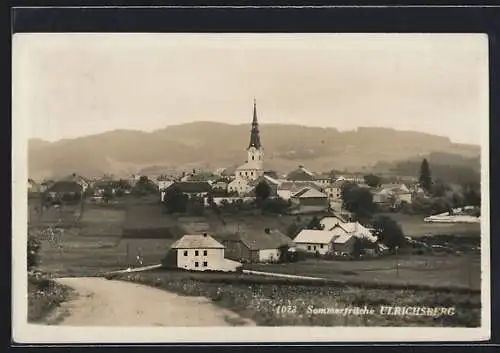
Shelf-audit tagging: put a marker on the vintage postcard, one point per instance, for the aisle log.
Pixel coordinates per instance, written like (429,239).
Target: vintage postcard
(250,188)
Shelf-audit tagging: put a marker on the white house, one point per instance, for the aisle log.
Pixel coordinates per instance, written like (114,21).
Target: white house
(199,253)
(315,241)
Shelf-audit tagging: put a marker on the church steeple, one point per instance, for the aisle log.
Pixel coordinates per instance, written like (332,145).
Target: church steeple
(255,135)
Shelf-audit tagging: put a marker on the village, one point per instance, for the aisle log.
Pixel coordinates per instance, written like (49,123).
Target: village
(223,219)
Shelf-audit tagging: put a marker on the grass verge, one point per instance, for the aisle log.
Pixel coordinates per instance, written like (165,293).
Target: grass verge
(44,295)
(280,303)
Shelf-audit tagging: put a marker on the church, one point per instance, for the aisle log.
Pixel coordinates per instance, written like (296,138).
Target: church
(253,169)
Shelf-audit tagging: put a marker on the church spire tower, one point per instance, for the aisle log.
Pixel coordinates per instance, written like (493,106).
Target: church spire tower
(255,134)
(255,150)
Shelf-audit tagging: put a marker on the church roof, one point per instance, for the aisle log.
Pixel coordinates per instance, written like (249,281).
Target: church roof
(250,165)
(254,134)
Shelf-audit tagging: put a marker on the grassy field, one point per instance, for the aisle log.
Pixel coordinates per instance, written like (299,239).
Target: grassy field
(261,298)
(449,270)
(94,243)
(414,226)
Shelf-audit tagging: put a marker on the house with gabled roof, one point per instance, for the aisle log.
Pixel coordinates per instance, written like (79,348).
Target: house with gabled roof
(199,252)
(251,245)
(193,188)
(287,189)
(329,222)
(309,200)
(301,174)
(315,241)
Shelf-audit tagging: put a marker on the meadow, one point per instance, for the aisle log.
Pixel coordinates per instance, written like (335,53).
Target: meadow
(95,242)
(432,270)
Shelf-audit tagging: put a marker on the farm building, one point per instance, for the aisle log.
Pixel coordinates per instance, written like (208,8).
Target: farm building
(61,189)
(287,189)
(191,188)
(344,244)
(315,241)
(340,239)
(391,194)
(330,222)
(83,182)
(310,200)
(199,253)
(267,245)
(356,229)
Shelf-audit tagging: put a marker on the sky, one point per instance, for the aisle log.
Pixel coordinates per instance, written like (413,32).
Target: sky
(70,85)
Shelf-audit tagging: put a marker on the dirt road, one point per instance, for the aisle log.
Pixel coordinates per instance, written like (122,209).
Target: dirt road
(102,302)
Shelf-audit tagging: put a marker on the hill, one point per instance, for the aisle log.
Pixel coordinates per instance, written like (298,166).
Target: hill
(214,145)
(449,167)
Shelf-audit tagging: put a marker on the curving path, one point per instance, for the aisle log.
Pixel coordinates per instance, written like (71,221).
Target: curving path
(102,302)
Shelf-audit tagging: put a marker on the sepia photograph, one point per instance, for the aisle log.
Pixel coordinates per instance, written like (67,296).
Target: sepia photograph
(250,187)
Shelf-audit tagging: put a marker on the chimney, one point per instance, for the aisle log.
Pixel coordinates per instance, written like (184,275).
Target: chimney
(267,230)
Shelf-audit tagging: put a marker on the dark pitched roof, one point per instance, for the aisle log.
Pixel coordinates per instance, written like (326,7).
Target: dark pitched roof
(65,186)
(300,174)
(259,240)
(191,187)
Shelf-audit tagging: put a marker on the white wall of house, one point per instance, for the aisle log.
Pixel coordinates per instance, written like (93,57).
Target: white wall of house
(241,186)
(218,200)
(200,259)
(314,247)
(269,255)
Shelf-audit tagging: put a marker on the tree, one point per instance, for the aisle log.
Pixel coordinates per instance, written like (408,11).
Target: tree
(357,200)
(472,194)
(315,224)
(439,189)
(145,186)
(372,180)
(262,191)
(277,205)
(388,232)
(425,179)
(195,206)
(175,200)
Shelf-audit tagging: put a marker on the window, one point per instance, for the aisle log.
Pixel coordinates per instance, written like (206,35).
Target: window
(246,173)
(185,253)
(196,264)
(253,158)
(204,253)
(321,246)
(251,173)
(315,248)
(196,253)
(309,247)
(205,264)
